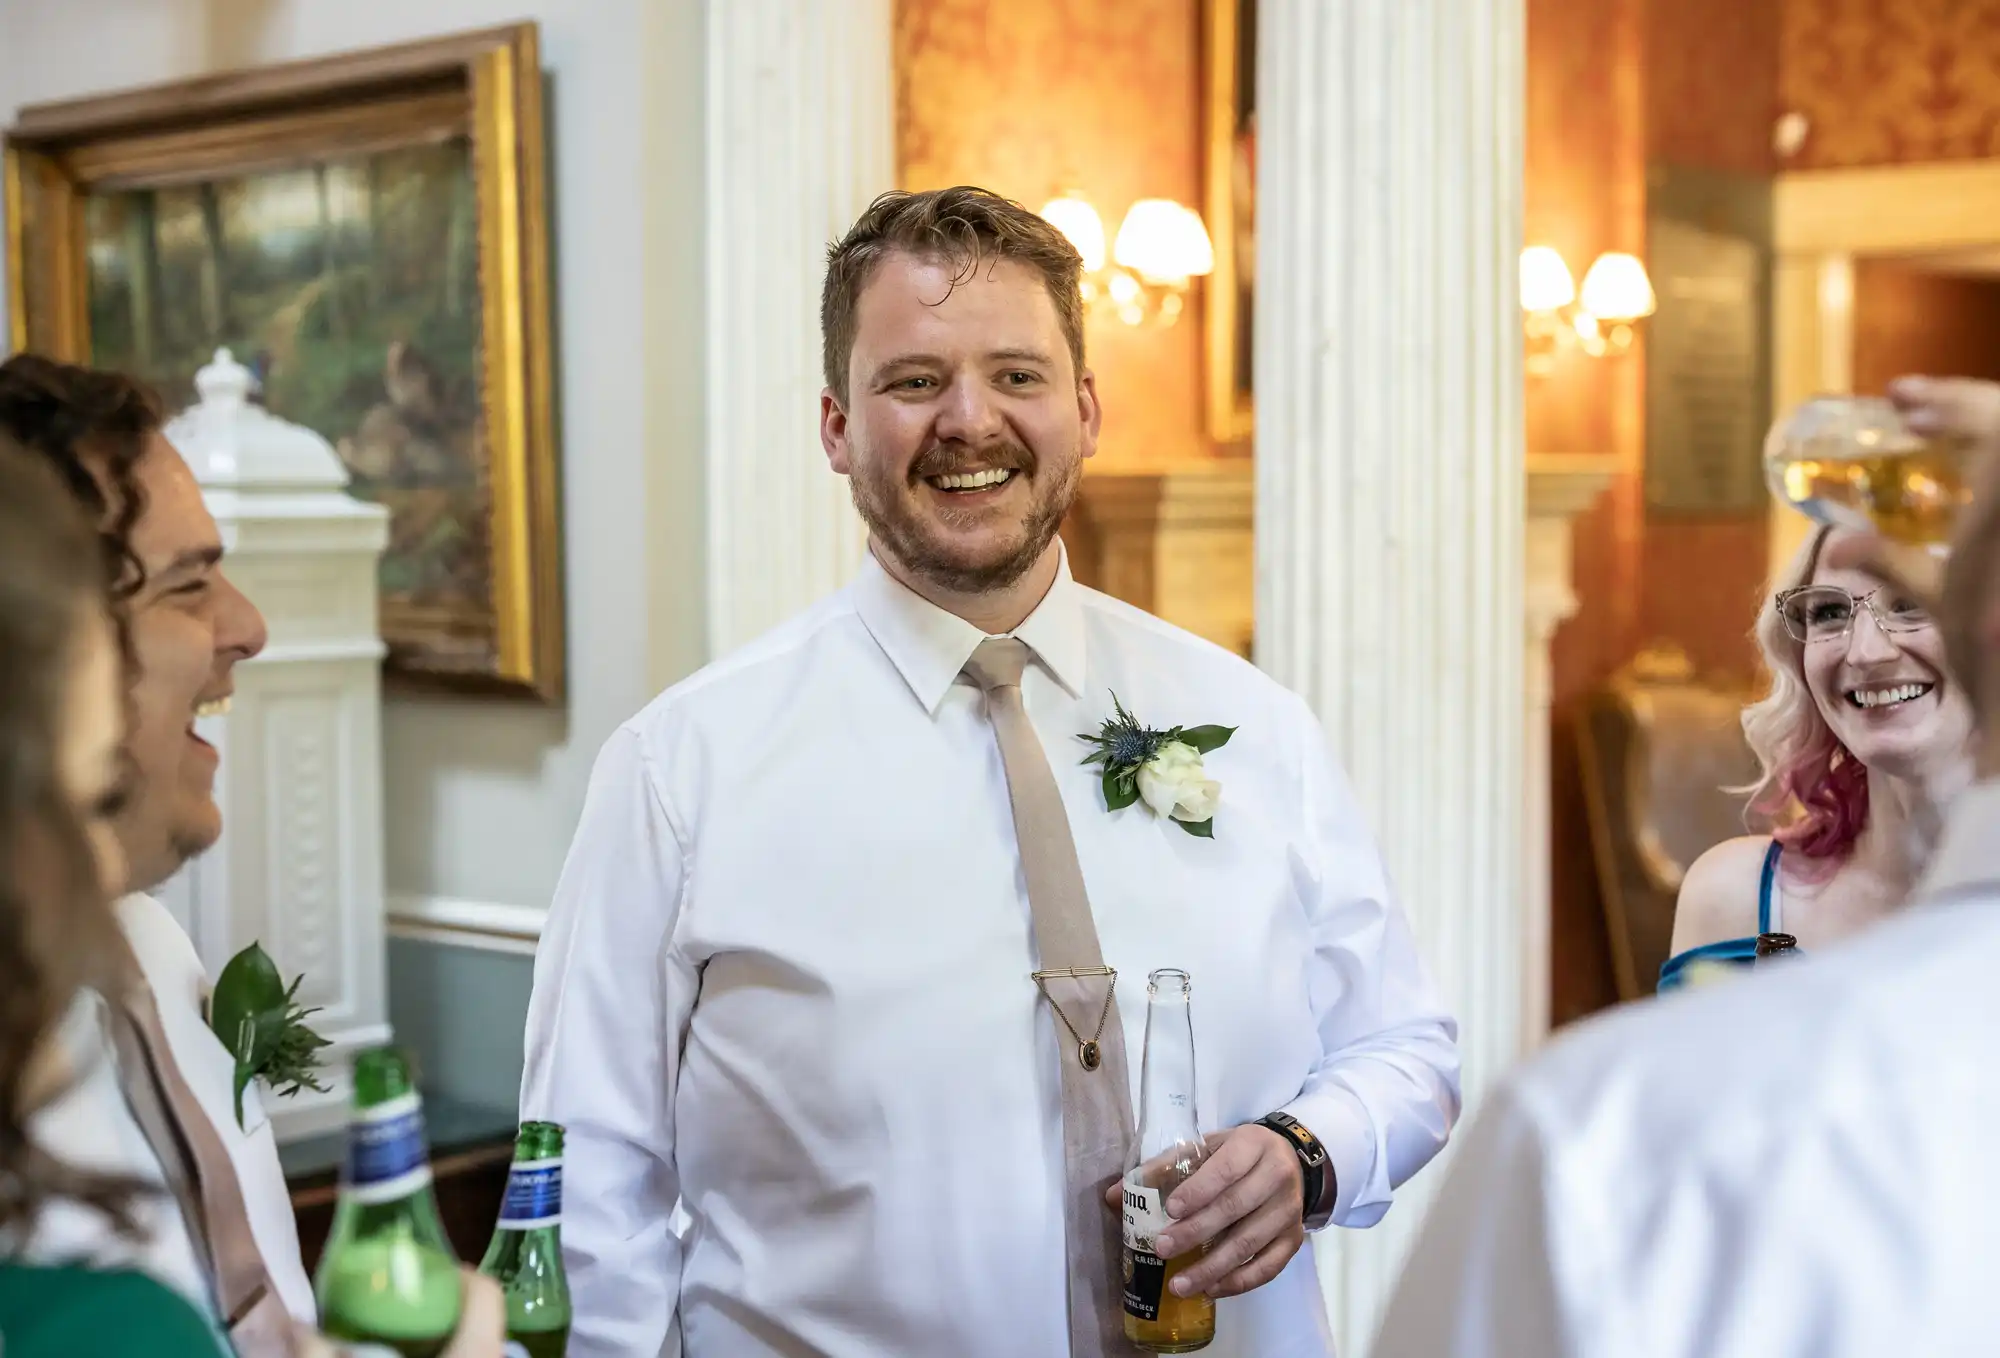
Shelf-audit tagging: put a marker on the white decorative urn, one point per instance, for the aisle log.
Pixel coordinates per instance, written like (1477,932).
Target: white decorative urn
(299,867)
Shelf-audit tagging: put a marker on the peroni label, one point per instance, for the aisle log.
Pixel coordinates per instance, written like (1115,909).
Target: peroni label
(1145,1271)
(534,1196)
(386,1155)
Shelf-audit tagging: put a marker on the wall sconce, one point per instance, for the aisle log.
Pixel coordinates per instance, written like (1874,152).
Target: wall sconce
(1161,248)
(1600,320)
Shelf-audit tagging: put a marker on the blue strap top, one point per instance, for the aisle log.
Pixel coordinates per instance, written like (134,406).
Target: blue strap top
(1729,951)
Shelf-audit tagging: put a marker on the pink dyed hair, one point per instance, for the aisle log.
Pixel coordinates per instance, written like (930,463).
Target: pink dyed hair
(1812,794)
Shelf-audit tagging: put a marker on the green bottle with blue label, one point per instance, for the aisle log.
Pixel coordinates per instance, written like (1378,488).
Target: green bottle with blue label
(525,1257)
(387,1284)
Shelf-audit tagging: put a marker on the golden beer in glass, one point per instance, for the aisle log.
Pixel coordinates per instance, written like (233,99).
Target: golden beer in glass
(1852,462)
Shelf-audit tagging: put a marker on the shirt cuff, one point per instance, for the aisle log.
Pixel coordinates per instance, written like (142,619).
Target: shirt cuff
(1343,1126)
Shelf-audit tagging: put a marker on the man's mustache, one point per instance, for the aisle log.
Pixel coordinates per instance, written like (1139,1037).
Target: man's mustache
(949,459)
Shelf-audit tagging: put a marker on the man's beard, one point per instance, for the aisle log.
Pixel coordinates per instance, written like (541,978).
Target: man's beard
(893,521)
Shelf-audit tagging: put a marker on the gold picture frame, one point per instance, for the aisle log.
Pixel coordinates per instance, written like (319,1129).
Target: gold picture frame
(410,318)
(1229,66)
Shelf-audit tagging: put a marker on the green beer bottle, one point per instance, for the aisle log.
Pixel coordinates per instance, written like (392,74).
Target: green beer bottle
(388,1282)
(525,1257)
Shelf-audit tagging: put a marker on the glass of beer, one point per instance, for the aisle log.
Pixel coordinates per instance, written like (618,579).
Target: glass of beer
(1851,462)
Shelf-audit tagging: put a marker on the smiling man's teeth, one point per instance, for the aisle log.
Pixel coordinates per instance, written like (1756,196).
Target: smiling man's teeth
(1884,697)
(215,707)
(973,480)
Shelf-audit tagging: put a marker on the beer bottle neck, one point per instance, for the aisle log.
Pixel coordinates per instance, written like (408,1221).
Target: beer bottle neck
(1167,1110)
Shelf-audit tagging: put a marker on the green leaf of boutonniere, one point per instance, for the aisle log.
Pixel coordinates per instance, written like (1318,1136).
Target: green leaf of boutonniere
(1201,829)
(1206,738)
(258,1019)
(1120,790)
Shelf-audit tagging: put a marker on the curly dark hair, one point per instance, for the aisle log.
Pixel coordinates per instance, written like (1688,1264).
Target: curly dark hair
(91,426)
(58,932)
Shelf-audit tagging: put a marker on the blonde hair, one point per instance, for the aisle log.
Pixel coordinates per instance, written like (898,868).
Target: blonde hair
(1811,793)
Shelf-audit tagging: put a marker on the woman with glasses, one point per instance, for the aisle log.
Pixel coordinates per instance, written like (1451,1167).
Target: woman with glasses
(1861,738)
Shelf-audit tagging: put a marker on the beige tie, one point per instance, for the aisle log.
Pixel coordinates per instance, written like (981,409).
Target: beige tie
(202,1175)
(1097,1101)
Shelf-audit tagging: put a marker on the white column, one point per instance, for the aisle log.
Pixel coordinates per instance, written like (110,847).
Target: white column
(801,136)
(1390,482)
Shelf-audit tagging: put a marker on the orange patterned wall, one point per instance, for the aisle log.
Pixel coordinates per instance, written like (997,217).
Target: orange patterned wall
(1712,97)
(1031,97)
(1891,81)
(1712,83)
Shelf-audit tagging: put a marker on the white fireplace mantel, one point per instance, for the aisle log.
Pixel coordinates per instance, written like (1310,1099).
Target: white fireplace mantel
(1560,488)
(299,866)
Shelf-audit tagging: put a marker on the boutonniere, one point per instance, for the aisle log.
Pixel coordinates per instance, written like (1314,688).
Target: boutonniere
(1161,768)
(259,1020)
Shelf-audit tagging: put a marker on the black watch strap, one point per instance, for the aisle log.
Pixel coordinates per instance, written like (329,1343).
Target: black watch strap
(1317,1207)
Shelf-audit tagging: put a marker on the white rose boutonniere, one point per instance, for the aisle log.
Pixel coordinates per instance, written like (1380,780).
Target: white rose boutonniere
(1161,768)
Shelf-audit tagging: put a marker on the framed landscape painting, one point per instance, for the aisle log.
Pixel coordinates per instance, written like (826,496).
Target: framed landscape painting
(366,233)
(1229,74)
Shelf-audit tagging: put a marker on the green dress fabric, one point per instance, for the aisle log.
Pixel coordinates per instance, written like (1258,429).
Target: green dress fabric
(70,1311)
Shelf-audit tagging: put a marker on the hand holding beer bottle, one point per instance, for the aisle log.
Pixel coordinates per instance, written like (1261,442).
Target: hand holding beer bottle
(481,1333)
(1170,1149)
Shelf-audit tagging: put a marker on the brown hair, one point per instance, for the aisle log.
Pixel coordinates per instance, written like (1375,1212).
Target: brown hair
(57,930)
(961,226)
(91,427)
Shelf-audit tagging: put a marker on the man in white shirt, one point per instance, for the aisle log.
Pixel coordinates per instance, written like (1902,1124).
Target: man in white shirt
(1797,1164)
(788,980)
(185,629)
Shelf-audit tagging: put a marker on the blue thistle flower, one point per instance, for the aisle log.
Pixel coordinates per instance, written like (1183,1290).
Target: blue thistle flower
(1131,747)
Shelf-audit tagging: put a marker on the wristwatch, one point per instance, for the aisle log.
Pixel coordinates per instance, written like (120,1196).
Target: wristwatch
(1319,1179)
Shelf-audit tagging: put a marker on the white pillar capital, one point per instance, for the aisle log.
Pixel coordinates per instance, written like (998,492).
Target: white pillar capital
(1390,483)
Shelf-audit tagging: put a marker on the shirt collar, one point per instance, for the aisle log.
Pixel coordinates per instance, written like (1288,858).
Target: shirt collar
(929,646)
(1968,848)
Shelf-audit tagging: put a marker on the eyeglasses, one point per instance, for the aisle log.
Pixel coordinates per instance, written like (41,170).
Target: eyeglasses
(1826,612)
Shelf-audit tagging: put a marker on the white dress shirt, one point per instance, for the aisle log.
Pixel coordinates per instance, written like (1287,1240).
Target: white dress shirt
(785,986)
(1801,1162)
(92,1127)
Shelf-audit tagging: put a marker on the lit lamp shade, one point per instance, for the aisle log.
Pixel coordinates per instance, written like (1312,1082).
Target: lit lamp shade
(1078,220)
(1546,284)
(1164,242)
(1616,289)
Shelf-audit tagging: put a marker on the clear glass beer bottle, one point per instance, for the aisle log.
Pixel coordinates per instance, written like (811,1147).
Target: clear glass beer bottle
(1169,1150)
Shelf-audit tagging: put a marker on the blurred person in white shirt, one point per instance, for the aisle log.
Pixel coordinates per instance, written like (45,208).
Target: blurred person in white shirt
(1795,1164)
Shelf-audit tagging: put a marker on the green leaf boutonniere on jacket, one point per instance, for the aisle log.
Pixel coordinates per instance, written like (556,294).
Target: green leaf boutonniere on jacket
(1161,768)
(258,1018)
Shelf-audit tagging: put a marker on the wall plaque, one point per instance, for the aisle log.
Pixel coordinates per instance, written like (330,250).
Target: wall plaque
(1707,393)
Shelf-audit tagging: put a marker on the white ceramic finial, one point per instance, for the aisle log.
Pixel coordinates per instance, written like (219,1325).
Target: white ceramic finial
(231,443)
(224,382)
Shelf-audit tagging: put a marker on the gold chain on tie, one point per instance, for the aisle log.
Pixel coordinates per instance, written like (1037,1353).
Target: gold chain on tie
(1087,1054)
